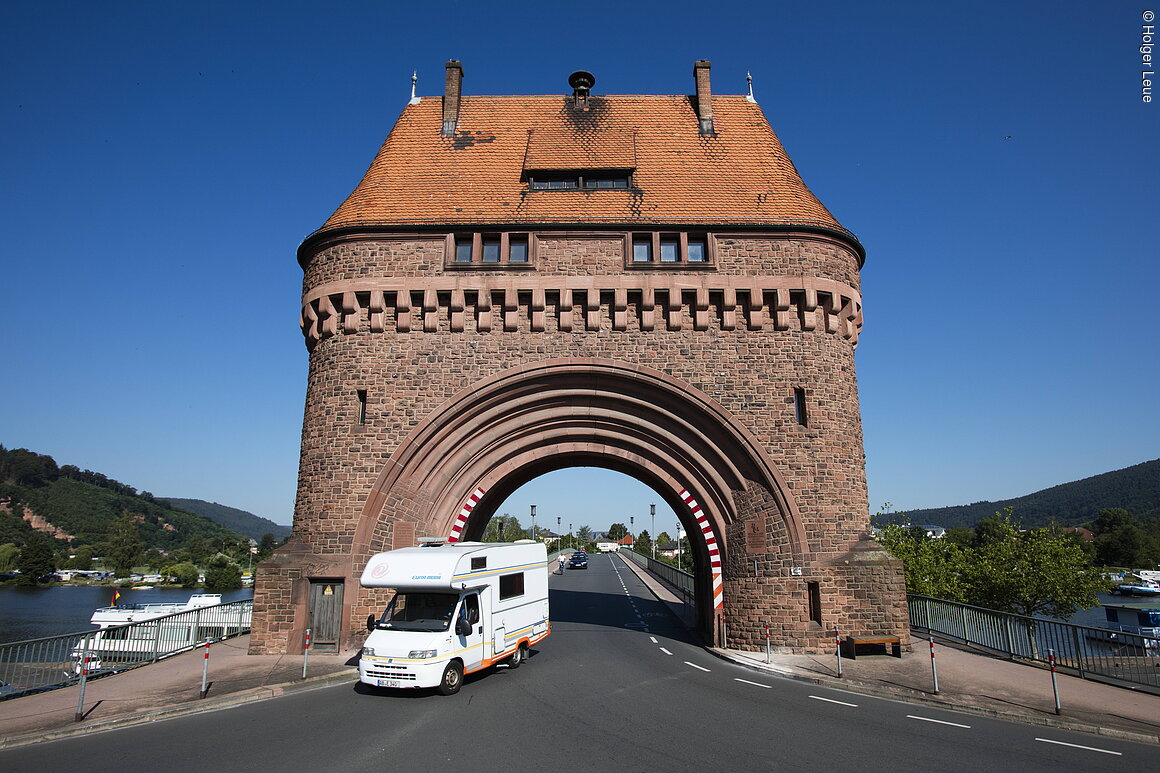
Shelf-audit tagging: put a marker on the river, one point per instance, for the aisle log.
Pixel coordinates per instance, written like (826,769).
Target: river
(32,613)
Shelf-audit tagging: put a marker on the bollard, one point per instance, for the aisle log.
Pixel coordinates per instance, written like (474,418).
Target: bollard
(84,677)
(933,667)
(305,653)
(204,670)
(768,656)
(724,633)
(838,650)
(1054,685)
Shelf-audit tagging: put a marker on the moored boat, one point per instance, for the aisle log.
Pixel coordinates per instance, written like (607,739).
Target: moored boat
(1130,625)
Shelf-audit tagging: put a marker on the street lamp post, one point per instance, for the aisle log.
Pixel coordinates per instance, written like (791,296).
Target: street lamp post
(678,547)
(571,542)
(559,542)
(533,521)
(633,545)
(652,535)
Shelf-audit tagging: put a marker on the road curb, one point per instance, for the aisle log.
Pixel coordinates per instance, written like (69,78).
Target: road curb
(925,699)
(251,695)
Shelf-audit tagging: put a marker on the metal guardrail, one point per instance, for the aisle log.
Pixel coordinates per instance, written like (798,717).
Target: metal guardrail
(36,665)
(1098,654)
(682,581)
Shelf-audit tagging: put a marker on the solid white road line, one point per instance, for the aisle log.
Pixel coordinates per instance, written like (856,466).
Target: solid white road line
(1077,746)
(939,721)
(694,665)
(665,651)
(755,684)
(831,700)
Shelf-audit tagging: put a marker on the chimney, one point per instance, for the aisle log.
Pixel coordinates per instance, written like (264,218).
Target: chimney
(704,96)
(451,94)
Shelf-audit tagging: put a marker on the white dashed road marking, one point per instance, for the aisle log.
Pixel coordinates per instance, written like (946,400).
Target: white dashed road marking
(653,639)
(939,721)
(831,700)
(755,684)
(1077,746)
(665,651)
(694,665)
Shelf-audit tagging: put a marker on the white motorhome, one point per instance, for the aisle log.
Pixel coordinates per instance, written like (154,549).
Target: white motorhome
(458,608)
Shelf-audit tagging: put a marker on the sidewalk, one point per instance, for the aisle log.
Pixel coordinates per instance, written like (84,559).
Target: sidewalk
(969,681)
(167,689)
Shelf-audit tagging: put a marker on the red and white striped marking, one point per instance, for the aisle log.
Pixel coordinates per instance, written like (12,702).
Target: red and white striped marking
(461,520)
(711,543)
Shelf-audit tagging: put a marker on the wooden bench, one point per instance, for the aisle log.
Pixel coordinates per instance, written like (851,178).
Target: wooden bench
(879,643)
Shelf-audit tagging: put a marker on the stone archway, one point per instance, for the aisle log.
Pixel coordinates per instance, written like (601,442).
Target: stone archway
(521,423)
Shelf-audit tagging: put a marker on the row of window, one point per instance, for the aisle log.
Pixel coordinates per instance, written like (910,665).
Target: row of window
(641,248)
(570,181)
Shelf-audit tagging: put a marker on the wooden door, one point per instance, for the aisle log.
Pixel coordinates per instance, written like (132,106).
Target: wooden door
(325,614)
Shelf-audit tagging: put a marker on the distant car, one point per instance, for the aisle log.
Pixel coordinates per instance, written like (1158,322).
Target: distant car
(579,560)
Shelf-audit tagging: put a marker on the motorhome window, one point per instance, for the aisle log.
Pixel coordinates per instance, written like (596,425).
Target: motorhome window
(419,612)
(511,585)
(478,563)
(471,609)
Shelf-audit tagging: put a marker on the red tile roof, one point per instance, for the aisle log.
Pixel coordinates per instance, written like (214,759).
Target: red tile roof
(742,176)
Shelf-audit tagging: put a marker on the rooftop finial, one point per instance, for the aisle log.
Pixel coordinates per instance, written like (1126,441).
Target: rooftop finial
(414,79)
(749,80)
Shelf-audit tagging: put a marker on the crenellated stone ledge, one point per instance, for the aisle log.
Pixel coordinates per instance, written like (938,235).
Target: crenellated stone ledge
(459,304)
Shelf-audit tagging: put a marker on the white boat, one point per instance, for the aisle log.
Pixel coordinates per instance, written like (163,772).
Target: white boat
(107,617)
(1141,587)
(130,633)
(1130,626)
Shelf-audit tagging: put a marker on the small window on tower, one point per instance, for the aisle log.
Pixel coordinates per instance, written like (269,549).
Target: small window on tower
(799,406)
(362,406)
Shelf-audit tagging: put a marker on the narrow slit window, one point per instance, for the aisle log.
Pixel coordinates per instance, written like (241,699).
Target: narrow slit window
(362,406)
(815,594)
(799,407)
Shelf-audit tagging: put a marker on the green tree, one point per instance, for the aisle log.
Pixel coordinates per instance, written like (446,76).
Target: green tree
(267,544)
(125,546)
(643,544)
(183,573)
(154,559)
(35,559)
(617,531)
(663,539)
(504,528)
(82,559)
(222,574)
(584,534)
(934,567)
(1038,572)
(8,554)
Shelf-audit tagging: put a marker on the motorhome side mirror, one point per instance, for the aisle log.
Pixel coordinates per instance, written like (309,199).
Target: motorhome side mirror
(370,622)
(462,627)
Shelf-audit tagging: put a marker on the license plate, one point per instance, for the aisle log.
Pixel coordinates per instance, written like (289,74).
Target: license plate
(389,683)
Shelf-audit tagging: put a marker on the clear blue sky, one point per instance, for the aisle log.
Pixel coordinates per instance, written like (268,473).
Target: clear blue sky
(161,163)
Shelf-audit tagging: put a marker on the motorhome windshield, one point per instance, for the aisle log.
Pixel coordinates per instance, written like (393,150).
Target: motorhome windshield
(419,612)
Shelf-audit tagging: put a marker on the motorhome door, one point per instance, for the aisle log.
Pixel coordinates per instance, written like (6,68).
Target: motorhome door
(471,644)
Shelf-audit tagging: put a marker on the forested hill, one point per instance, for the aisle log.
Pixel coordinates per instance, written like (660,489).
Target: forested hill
(83,504)
(1135,489)
(245,523)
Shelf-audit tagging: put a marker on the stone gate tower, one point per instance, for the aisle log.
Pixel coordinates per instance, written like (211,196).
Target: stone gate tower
(643,283)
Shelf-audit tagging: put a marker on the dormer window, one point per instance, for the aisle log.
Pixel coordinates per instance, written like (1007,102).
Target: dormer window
(579,179)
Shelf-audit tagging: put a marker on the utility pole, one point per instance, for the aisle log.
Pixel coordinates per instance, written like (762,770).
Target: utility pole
(533,521)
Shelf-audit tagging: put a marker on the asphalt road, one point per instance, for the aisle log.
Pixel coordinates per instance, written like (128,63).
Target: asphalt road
(618,685)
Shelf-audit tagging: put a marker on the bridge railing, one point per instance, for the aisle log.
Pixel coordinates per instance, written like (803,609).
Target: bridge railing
(681,581)
(1091,653)
(42,664)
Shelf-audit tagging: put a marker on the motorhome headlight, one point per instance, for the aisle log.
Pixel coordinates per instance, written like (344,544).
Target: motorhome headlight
(369,651)
(422,654)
